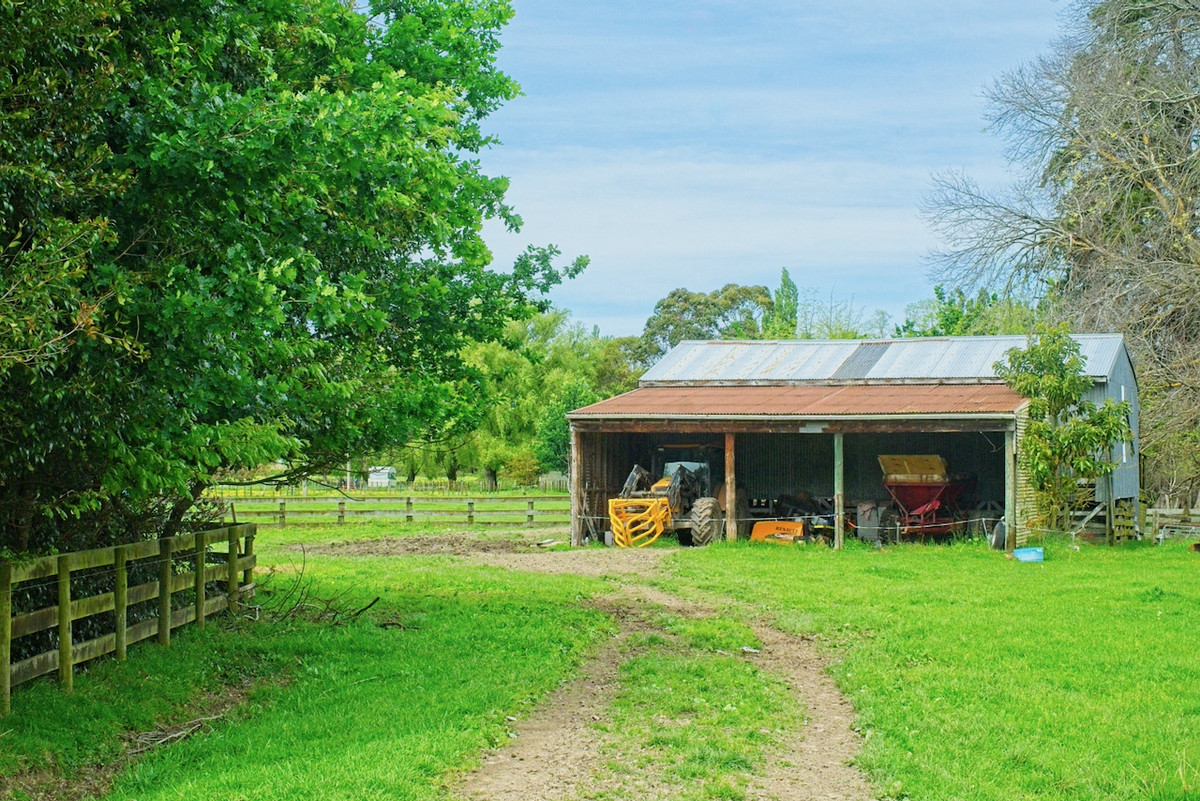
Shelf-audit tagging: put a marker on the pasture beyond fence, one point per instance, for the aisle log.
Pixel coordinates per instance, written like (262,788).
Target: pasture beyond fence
(96,582)
(513,510)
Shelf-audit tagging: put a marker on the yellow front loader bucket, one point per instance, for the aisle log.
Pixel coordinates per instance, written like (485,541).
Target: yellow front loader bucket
(637,522)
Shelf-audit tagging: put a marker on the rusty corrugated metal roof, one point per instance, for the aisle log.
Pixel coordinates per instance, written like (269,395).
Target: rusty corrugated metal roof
(808,400)
(918,359)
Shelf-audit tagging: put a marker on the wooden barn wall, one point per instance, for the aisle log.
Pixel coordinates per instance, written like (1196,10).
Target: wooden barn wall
(772,464)
(1026,498)
(605,462)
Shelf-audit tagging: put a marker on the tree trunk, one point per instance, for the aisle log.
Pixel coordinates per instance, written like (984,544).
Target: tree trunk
(489,478)
(23,518)
(180,508)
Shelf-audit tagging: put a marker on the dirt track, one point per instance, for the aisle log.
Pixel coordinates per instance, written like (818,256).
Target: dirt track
(556,752)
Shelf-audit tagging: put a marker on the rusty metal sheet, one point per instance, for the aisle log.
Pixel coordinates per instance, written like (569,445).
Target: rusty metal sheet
(807,401)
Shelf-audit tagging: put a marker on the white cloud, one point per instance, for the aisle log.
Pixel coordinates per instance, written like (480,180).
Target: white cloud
(700,142)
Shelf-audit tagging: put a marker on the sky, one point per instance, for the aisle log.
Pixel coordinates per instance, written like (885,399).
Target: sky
(695,143)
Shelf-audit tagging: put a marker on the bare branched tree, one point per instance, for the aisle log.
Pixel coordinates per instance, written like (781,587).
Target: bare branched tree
(1103,224)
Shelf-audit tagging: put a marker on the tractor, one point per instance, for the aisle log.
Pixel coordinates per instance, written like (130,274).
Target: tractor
(683,498)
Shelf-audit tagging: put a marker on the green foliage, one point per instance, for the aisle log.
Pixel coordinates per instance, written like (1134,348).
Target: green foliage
(553,439)
(1100,220)
(779,322)
(820,318)
(731,312)
(265,246)
(59,77)
(523,468)
(544,367)
(951,313)
(1068,438)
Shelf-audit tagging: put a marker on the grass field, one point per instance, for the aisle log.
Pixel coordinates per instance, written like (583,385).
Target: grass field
(980,677)
(973,676)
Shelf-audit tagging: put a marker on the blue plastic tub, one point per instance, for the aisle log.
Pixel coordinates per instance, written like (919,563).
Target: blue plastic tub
(1029,554)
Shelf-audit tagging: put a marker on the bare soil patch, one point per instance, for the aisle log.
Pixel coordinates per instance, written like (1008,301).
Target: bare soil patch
(460,544)
(533,552)
(555,753)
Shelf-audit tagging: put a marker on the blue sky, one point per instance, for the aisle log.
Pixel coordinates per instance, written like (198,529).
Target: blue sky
(694,144)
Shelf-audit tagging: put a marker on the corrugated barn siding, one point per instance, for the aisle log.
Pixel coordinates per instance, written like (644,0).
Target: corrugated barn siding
(607,460)
(1026,501)
(769,465)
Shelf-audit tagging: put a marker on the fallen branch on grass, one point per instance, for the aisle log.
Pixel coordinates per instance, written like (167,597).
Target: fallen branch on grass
(153,739)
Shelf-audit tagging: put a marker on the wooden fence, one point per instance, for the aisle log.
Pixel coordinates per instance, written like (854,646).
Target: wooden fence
(489,511)
(183,563)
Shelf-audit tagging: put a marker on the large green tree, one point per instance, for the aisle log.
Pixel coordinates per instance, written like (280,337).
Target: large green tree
(731,312)
(1103,220)
(544,367)
(268,247)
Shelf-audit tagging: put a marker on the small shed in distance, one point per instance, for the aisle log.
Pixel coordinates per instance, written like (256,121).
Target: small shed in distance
(814,416)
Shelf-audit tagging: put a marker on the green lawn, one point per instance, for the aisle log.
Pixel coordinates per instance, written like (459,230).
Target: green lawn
(974,676)
(978,677)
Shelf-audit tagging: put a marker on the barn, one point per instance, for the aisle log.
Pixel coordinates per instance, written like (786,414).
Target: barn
(813,417)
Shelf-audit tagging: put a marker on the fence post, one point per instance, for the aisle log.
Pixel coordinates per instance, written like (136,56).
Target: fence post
(529,513)
(341,512)
(408,515)
(231,576)
(121,598)
(164,590)
(248,573)
(201,538)
(470,513)
(66,673)
(5,638)
(282,514)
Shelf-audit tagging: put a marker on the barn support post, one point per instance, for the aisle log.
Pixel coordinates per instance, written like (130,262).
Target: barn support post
(1010,490)
(731,521)
(576,479)
(839,489)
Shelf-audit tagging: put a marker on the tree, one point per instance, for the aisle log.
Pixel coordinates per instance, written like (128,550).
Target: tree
(951,313)
(1069,440)
(1103,223)
(731,312)
(779,321)
(544,367)
(553,438)
(272,229)
(837,319)
(59,78)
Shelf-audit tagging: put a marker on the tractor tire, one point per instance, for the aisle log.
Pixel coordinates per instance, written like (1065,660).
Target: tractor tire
(742,515)
(708,521)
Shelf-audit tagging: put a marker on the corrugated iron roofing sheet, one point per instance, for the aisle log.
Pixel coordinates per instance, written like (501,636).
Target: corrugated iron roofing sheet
(933,358)
(807,400)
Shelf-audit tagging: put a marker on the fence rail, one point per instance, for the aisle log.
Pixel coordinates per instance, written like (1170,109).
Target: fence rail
(489,511)
(232,568)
